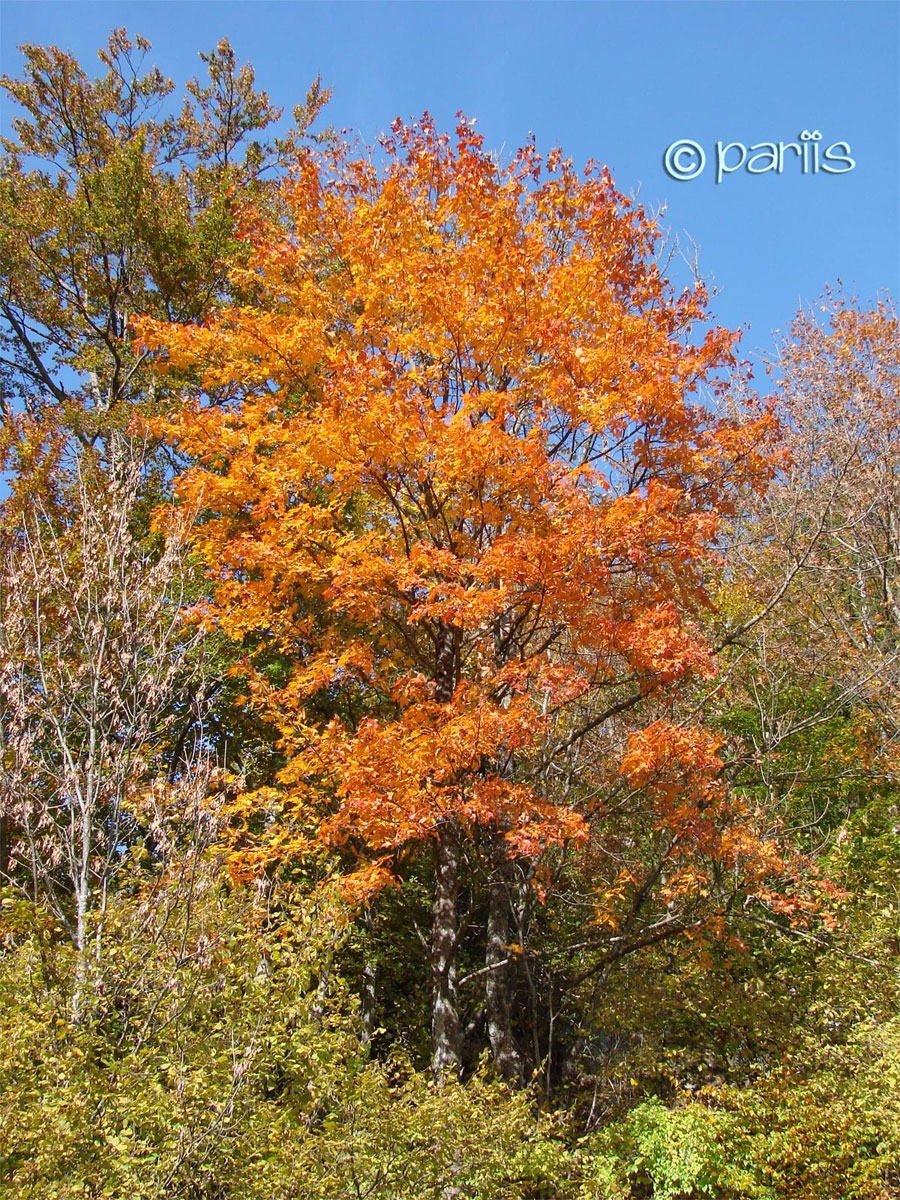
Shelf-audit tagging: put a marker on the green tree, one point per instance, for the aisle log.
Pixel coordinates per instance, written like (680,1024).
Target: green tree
(114,202)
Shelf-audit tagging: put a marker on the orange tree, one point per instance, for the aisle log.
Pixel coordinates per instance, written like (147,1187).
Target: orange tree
(458,476)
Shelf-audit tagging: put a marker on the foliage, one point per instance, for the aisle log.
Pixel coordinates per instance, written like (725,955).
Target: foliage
(529,696)
(682,1151)
(417,498)
(113,203)
(472,541)
(219,1056)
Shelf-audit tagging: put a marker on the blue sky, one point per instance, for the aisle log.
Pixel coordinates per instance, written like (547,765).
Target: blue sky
(618,82)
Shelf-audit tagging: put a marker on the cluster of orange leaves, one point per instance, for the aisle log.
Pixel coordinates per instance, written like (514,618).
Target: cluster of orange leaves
(459,406)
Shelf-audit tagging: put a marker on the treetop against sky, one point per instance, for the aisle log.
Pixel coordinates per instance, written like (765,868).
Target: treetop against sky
(616,82)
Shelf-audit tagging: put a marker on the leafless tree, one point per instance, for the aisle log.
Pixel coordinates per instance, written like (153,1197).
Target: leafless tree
(95,653)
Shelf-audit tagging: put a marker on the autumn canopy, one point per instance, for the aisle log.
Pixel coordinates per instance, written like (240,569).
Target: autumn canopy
(459,474)
(458,470)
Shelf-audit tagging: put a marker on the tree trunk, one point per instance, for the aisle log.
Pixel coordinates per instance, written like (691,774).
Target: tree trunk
(445,1030)
(496,991)
(370,979)
(5,841)
(82,883)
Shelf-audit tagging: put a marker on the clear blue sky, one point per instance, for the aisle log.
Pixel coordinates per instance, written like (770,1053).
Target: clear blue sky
(618,82)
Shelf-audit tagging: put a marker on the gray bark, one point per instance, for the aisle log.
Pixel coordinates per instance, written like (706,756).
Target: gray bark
(370,979)
(496,991)
(445,1029)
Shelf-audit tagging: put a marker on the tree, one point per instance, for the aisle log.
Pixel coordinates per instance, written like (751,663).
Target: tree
(111,205)
(112,201)
(594,672)
(471,489)
(814,683)
(840,392)
(94,653)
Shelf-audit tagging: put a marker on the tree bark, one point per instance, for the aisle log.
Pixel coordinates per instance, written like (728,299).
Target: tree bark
(5,841)
(445,1029)
(496,990)
(370,979)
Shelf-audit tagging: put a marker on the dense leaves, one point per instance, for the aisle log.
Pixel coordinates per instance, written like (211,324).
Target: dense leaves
(448,742)
(456,470)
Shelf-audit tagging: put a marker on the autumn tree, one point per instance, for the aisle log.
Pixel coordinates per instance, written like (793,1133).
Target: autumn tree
(469,493)
(816,560)
(840,393)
